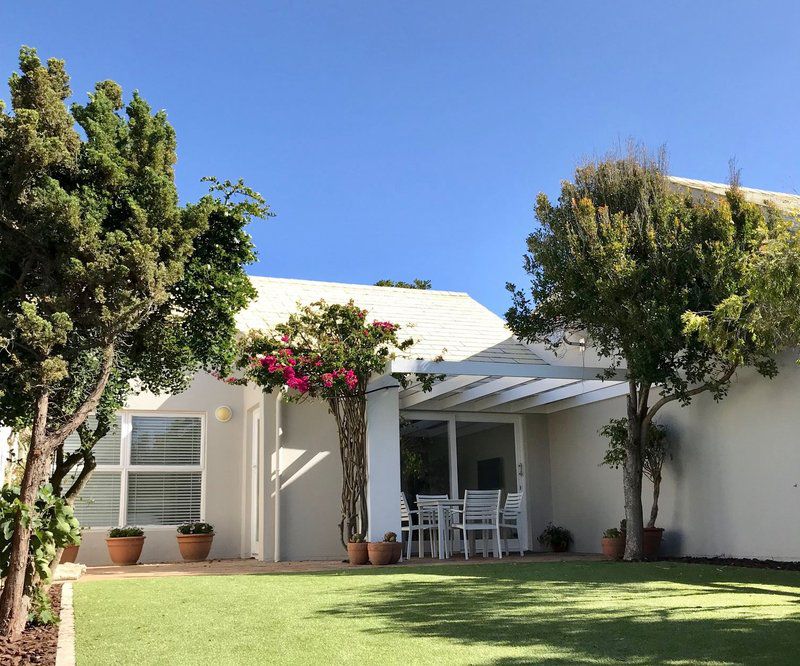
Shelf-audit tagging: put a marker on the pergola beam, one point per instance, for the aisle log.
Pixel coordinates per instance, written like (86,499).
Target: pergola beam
(489,388)
(492,402)
(493,369)
(439,389)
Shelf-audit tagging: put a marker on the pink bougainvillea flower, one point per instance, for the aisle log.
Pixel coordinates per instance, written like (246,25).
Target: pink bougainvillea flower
(284,338)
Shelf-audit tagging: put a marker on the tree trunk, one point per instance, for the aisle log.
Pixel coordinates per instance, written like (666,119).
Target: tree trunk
(632,471)
(350,415)
(14,600)
(656,493)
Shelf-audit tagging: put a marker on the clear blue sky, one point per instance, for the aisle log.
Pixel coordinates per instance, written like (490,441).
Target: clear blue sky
(409,139)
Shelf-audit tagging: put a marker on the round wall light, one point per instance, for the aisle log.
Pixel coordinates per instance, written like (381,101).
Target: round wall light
(223,414)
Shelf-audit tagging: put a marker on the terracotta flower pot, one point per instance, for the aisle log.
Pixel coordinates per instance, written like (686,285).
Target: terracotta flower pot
(125,550)
(357,553)
(613,547)
(380,552)
(652,542)
(397,552)
(195,547)
(69,554)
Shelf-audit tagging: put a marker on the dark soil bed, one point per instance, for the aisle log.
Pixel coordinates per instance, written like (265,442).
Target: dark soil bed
(739,562)
(37,644)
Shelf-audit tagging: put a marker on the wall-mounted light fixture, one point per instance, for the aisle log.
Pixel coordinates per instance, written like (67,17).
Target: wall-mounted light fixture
(223,413)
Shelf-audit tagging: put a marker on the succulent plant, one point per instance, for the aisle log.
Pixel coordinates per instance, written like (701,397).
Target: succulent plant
(390,536)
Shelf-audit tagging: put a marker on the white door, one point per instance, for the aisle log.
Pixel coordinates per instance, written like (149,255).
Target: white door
(255,504)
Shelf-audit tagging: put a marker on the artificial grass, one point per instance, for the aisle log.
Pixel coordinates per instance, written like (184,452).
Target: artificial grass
(556,613)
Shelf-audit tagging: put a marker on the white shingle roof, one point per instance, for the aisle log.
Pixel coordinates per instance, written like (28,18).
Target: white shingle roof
(786,202)
(442,323)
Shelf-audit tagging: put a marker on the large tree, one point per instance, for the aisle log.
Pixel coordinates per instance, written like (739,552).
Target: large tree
(104,277)
(679,291)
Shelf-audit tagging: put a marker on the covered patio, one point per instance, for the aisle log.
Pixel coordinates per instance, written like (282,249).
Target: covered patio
(469,431)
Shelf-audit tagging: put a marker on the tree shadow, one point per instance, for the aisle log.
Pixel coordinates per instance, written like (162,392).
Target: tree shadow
(598,612)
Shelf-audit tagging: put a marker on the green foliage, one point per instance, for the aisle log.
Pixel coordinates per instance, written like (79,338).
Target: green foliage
(678,289)
(356,538)
(41,611)
(196,528)
(613,533)
(390,537)
(52,523)
(416,284)
(127,531)
(554,536)
(655,450)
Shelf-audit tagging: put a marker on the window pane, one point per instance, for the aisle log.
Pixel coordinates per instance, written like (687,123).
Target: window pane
(163,498)
(424,459)
(486,457)
(98,503)
(165,440)
(106,451)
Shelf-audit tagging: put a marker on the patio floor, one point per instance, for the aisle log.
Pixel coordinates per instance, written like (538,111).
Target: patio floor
(250,566)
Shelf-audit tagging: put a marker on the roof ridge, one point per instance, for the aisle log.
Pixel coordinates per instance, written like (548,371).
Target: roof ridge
(683,180)
(268,278)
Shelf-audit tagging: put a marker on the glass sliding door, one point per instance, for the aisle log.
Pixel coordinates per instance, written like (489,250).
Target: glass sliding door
(424,458)
(486,454)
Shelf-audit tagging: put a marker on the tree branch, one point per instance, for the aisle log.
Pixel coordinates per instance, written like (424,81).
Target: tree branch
(80,415)
(725,377)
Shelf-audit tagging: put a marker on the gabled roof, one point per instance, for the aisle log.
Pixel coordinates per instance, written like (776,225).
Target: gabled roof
(449,324)
(786,202)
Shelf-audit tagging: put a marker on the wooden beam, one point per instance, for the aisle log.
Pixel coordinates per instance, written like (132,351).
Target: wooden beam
(493,369)
(439,389)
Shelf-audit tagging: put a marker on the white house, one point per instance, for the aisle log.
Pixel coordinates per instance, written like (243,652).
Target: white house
(507,415)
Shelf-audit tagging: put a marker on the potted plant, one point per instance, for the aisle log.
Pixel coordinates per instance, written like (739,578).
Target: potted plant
(194,540)
(397,548)
(357,550)
(613,543)
(125,544)
(381,552)
(654,454)
(70,553)
(555,538)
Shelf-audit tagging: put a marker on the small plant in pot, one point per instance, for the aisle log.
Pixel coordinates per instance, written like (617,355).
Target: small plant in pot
(382,552)
(194,541)
(397,549)
(125,544)
(555,538)
(357,550)
(70,553)
(613,543)
(654,455)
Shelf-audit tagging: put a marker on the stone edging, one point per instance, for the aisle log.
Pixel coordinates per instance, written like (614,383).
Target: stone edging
(65,654)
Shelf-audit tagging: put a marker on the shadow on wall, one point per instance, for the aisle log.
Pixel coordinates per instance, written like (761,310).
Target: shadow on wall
(593,613)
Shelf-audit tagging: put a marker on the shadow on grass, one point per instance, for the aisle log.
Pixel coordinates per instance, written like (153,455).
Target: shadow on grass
(585,613)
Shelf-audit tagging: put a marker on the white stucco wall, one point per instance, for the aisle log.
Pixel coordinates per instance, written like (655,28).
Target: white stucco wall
(223,479)
(733,487)
(538,491)
(310,483)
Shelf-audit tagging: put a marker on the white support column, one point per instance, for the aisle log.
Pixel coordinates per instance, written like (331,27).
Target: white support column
(383,458)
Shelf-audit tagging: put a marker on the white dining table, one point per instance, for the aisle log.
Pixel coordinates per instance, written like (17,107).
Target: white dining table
(442,507)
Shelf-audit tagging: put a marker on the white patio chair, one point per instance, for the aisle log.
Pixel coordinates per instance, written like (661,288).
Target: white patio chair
(510,517)
(481,512)
(429,520)
(407,525)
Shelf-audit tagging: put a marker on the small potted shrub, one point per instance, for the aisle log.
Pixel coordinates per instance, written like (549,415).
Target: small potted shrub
(613,543)
(397,549)
(125,544)
(357,550)
(70,553)
(381,552)
(194,541)
(555,538)
(654,455)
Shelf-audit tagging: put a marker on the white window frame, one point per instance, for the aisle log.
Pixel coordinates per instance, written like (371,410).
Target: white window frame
(125,467)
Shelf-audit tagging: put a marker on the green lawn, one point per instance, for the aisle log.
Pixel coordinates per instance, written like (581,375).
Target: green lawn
(561,613)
